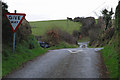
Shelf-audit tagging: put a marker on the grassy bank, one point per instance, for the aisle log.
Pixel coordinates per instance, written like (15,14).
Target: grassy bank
(40,27)
(111,60)
(17,59)
(23,53)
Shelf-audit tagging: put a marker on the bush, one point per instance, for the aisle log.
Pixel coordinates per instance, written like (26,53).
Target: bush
(65,36)
(55,35)
(52,36)
(87,24)
(76,34)
(96,31)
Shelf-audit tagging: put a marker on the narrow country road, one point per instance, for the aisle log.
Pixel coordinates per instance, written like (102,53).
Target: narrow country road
(79,62)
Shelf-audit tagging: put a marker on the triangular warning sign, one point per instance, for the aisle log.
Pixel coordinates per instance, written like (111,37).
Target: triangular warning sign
(15,19)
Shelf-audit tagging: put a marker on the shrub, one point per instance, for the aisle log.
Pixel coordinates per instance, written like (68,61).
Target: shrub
(55,35)
(87,24)
(52,36)
(76,34)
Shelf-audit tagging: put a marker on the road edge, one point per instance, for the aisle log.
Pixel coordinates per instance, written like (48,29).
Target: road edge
(102,67)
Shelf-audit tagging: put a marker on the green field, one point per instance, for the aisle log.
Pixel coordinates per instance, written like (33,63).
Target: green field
(40,27)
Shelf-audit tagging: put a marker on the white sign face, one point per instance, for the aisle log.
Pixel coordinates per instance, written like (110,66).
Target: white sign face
(14,20)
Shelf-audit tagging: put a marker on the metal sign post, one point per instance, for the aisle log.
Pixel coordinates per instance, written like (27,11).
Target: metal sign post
(13,42)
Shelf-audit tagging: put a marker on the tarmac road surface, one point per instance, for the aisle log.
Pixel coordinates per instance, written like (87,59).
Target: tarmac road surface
(79,62)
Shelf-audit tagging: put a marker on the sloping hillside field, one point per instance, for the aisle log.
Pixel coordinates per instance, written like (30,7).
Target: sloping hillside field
(40,27)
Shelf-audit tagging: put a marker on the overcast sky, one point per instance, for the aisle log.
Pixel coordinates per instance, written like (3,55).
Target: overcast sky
(38,10)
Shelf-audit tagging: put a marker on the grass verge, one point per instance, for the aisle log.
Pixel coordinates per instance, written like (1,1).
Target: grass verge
(21,55)
(111,61)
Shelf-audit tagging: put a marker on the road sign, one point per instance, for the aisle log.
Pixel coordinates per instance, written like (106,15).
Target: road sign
(15,19)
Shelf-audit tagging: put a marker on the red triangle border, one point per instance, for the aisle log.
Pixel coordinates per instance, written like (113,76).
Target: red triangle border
(18,23)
